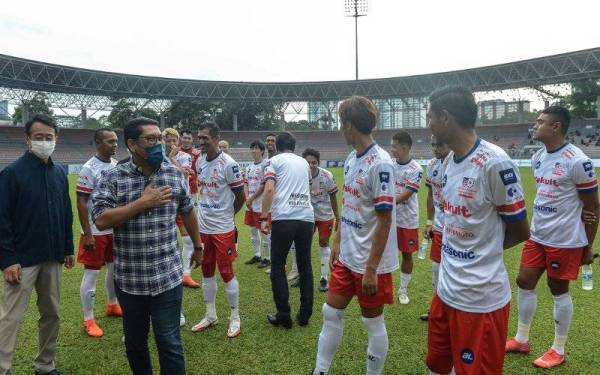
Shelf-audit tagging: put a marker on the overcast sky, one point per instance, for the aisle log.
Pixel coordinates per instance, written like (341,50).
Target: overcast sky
(284,40)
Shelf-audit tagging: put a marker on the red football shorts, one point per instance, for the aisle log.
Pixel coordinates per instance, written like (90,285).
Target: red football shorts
(251,219)
(472,343)
(408,239)
(435,254)
(324,227)
(179,220)
(347,283)
(102,253)
(219,248)
(560,263)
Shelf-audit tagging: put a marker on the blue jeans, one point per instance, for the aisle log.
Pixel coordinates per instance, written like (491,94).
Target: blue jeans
(164,311)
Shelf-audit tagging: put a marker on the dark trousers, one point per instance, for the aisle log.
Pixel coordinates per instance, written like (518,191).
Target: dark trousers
(164,310)
(283,233)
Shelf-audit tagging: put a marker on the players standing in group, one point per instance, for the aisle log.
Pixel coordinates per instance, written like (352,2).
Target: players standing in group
(96,246)
(323,197)
(253,189)
(484,214)
(560,242)
(408,180)
(435,209)
(364,250)
(221,197)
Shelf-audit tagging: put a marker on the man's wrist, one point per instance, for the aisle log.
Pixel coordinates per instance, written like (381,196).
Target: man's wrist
(429,222)
(198,248)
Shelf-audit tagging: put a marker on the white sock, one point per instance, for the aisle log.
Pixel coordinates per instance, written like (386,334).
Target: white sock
(255,239)
(188,250)
(325,252)
(88,292)
(563,313)
(209,288)
(232,289)
(404,280)
(266,244)
(109,279)
(294,264)
(435,274)
(527,300)
(378,344)
(329,338)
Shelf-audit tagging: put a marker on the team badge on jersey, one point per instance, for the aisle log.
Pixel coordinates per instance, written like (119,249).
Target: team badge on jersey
(588,166)
(384,177)
(508,176)
(467,356)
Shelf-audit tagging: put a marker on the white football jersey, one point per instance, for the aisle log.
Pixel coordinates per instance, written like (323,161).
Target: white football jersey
(254,178)
(435,174)
(291,200)
(368,187)
(218,178)
(481,191)
(408,176)
(86,182)
(560,176)
(322,187)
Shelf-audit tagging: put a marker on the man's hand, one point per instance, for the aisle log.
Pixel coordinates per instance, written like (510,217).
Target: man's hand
(335,252)
(197,256)
(369,283)
(264,227)
(174,151)
(88,242)
(69,261)
(588,255)
(428,232)
(12,274)
(588,217)
(153,196)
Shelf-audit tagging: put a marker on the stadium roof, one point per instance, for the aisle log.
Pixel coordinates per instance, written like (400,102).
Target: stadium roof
(19,73)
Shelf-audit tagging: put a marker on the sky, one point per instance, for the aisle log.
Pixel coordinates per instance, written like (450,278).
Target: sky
(284,40)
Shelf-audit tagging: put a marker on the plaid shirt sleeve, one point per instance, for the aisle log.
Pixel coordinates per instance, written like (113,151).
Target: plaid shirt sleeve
(184,199)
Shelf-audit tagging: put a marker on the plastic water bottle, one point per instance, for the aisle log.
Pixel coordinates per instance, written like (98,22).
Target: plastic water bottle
(423,248)
(587,278)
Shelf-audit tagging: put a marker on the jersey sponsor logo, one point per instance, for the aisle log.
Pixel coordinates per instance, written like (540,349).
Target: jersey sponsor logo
(480,158)
(351,223)
(467,356)
(435,173)
(545,209)
(467,191)
(459,254)
(346,170)
(458,232)
(514,193)
(456,209)
(351,206)
(236,171)
(352,191)
(508,176)
(444,180)
(537,165)
(588,166)
(209,184)
(547,194)
(546,181)
(213,206)
(568,153)
(384,177)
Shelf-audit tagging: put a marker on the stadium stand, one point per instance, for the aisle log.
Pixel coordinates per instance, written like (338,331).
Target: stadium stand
(75,145)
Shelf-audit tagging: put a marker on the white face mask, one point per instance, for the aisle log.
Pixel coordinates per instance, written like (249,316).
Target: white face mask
(43,149)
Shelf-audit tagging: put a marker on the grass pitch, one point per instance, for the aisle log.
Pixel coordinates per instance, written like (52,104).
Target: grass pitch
(263,349)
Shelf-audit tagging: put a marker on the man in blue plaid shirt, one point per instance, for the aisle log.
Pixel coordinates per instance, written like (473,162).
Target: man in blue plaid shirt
(140,199)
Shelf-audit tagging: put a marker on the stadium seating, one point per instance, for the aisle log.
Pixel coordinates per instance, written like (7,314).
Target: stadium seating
(75,146)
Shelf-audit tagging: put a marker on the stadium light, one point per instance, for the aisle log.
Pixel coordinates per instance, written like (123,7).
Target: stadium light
(356,8)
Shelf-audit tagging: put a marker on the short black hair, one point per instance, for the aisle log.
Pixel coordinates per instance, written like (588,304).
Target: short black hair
(213,128)
(403,138)
(44,119)
(285,142)
(456,100)
(99,133)
(258,143)
(360,112)
(560,114)
(133,128)
(186,131)
(312,152)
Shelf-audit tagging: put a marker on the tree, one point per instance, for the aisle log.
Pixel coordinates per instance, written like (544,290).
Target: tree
(124,110)
(302,125)
(582,101)
(29,107)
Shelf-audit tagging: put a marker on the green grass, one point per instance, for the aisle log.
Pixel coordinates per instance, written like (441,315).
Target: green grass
(263,349)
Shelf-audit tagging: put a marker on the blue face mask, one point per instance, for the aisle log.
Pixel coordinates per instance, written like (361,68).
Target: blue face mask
(155,155)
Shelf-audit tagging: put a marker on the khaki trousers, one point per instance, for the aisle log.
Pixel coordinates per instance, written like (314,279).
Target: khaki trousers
(46,278)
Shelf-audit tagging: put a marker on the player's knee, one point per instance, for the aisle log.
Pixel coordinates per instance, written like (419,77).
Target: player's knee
(324,241)
(525,282)
(557,286)
(332,316)
(226,271)
(438,363)
(208,269)
(92,267)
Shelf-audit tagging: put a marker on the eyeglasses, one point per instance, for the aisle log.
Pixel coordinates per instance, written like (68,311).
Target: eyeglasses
(152,139)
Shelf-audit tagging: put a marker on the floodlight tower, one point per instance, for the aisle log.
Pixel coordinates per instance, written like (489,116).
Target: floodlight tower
(356,8)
